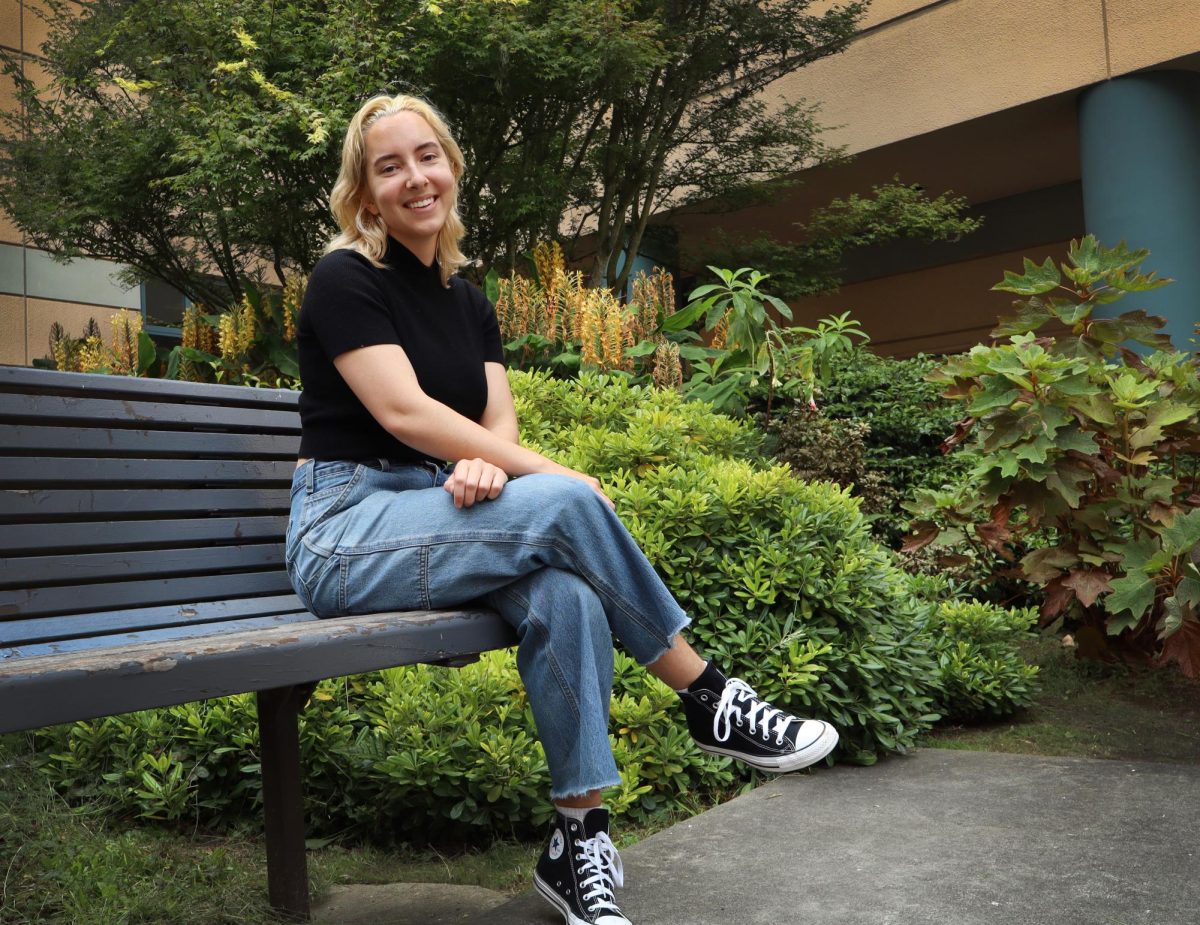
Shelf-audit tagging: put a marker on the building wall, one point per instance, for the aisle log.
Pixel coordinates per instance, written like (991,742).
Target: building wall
(974,96)
(35,290)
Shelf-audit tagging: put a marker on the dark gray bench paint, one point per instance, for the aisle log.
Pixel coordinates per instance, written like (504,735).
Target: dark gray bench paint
(141,565)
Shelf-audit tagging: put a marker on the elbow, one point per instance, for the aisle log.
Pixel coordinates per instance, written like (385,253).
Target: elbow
(405,422)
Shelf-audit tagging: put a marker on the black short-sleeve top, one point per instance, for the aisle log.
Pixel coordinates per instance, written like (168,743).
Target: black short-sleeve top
(447,334)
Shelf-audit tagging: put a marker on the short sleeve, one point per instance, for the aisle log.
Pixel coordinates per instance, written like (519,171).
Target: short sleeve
(345,306)
(493,345)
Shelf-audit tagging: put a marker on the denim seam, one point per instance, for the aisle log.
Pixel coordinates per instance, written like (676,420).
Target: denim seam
(426,600)
(544,633)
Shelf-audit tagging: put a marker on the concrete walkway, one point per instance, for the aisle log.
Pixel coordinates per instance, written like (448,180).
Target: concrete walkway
(941,837)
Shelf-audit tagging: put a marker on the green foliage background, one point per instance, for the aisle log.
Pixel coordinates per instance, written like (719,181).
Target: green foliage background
(786,587)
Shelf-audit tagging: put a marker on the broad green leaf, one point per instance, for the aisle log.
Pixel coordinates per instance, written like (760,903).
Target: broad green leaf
(491,286)
(1034,281)
(147,353)
(1188,590)
(1137,282)
(1166,413)
(684,318)
(1183,534)
(172,371)
(1172,617)
(1133,593)
(1100,261)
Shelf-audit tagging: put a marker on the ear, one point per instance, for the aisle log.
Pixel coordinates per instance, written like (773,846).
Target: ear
(372,208)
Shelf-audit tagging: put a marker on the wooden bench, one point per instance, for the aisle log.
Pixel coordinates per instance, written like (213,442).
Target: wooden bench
(141,565)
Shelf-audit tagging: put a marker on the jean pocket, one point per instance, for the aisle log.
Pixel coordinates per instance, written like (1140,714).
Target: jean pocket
(330,489)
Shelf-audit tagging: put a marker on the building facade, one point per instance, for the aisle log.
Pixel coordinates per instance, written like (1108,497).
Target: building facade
(1053,119)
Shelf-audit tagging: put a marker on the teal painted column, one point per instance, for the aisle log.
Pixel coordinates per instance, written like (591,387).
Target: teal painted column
(1140,166)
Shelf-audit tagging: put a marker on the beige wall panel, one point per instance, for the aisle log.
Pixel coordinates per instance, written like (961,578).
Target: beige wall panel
(941,310)
(10,24)
(36,29)
(955,62)
(8,231)
(37,73)
(12,330)
(881,11)
(1142,33)
(71,315)
(8,94)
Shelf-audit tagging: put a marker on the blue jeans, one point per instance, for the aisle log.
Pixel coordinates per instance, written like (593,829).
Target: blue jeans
(548,554)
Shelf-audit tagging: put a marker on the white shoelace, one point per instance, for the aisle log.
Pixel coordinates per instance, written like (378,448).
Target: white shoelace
(598,856)
(756,711)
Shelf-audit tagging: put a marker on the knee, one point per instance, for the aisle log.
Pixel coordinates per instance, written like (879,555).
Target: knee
(560,494)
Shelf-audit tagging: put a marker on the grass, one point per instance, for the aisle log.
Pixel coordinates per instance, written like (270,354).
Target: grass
(81,866)
(1093,710)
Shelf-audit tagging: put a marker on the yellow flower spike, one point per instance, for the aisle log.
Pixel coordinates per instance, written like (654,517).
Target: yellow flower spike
(227,339)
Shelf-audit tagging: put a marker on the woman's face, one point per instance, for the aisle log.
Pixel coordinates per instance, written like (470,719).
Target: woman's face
(410,184)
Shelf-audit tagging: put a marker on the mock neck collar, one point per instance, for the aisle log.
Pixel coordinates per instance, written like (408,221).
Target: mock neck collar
(400,257)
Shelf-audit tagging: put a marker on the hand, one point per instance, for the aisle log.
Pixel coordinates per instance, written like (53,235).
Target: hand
(475,480)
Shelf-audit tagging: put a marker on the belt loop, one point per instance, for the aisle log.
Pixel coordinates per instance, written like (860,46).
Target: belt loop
(309,481)
(384,465)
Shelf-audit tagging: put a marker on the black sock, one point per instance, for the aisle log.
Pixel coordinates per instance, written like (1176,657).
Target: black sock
(711,679)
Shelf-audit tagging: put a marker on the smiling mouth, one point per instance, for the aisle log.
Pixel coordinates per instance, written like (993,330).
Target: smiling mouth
(420,204)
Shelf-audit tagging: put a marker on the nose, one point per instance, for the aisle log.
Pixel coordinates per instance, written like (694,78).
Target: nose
(416,178)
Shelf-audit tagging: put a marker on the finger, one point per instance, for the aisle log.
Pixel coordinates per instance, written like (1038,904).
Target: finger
(472,478)
(499,480)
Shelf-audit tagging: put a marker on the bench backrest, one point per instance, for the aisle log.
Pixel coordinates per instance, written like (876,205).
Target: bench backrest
(132,504)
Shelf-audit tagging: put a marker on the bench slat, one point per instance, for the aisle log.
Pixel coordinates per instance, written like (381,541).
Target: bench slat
(36,504)
(47,381)
(106,441)
(49,602)
(157,635)
(44,629)
(52,471)
(86,412)
(72,569)
(30,538)
(54,689)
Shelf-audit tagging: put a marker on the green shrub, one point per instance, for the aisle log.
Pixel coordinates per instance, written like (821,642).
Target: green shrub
(907,415)
(821,448)
(1080,442)
(982,673)
(784,583)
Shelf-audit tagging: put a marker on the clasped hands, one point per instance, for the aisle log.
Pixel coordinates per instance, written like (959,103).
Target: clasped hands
(478,480)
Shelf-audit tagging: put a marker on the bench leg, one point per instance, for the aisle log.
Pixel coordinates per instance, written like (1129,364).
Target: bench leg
(283,802)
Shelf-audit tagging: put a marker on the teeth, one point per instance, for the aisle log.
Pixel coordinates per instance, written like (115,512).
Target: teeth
(420,203)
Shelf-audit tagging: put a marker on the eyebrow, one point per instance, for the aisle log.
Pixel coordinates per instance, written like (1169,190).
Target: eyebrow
(391,154)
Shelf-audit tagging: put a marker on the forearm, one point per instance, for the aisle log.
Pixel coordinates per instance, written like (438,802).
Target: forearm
(442,433)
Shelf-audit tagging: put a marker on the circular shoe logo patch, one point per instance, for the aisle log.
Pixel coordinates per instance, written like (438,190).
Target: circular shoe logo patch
(556,845)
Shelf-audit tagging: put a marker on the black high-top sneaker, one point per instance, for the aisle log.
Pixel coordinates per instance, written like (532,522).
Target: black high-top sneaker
(726,717)
(579,868)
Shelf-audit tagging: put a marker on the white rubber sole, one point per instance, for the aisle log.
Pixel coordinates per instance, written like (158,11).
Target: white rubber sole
(556,901)
(560,904)
(812,753)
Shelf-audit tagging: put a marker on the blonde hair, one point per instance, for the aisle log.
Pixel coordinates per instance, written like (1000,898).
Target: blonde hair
(366,233)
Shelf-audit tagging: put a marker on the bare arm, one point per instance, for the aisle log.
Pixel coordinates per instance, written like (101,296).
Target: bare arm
(500,415)
(383,379)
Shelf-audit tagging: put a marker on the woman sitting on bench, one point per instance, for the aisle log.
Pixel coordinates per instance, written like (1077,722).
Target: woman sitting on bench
(403,369)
